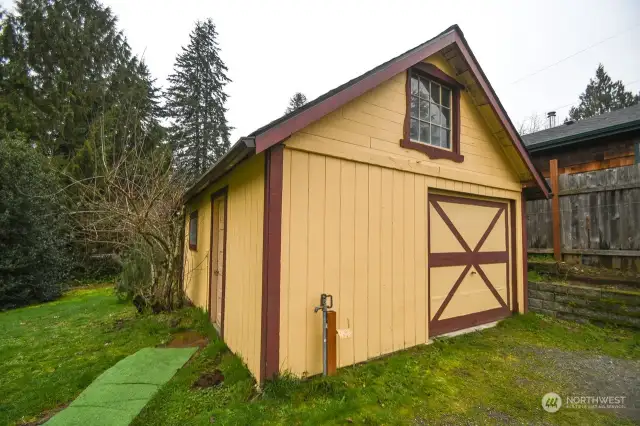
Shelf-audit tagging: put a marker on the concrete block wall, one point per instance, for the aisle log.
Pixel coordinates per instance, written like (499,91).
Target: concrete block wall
(585,304)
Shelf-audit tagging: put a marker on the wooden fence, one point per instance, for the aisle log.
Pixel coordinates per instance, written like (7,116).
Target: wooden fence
(593,213)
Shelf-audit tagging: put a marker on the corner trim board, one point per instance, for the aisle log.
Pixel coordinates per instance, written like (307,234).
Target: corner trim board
(525,281)
(514,263)
(271,253)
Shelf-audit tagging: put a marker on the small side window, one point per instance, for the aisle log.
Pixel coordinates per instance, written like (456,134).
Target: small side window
(193,230)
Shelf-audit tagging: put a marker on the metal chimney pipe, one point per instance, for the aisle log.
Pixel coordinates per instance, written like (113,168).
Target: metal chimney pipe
(551,115)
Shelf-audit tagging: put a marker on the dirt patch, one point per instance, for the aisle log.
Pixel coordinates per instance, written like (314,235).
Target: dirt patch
(188,339)
(592,375)
(45,416)
(208,380)
(120,323)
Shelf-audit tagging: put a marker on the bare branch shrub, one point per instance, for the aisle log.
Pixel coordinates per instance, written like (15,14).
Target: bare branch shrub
(132,203)
(533,123)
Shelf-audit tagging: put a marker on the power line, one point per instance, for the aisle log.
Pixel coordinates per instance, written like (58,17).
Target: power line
(576,102)
(575,54)
(560,107)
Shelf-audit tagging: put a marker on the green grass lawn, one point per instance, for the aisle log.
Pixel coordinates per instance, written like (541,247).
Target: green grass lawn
(50,352)
(497,376)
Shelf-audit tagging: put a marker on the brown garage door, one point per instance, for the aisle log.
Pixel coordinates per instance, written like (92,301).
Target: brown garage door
(468,262)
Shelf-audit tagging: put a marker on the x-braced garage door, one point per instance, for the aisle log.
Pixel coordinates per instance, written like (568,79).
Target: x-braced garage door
(468,262)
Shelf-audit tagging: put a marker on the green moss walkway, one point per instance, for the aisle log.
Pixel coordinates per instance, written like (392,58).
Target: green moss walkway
(118,394)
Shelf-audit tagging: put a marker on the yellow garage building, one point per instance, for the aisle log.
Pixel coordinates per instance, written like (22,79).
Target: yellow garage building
(399,193)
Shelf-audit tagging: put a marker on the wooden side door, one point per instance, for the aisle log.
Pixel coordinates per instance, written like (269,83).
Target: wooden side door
(468,262)
(218,260)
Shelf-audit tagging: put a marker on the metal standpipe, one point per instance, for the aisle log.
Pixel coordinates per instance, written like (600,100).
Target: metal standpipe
(324,307)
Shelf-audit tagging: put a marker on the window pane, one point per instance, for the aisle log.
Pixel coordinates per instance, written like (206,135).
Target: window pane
(414,85)
(435,135)
(414,130)
(445,117)
(424,110)
(446,97)
(193,231)
(424,132)
(424,88)
(414,107)
(434,117)
(435,92)
(444,138)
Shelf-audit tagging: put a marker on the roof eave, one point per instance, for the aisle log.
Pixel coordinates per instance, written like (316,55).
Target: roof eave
(244,148)
(581,137)
(273,135)
(281,129)
(501,113)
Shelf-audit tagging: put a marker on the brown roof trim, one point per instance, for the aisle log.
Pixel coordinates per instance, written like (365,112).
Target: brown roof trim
(499,110)
(244,148)
(271,252)
(282,128)
(278,130)
(277,133)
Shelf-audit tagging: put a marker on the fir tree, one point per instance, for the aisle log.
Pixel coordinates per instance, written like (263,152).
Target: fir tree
(196,102)
(70,86)
(65,67)
(296,102)
(17,111)
(602,95)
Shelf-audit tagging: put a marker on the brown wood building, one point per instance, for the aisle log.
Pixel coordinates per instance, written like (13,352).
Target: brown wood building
(602,142)
(593,167)
(400,193)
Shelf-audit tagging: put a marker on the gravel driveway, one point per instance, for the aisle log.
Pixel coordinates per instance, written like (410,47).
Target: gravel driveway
(591,375)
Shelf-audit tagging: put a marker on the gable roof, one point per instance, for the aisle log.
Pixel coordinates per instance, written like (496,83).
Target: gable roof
(607,124)
(283,127)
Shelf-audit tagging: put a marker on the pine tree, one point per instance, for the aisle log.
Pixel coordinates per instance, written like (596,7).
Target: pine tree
(196,102)
(296,102)
(602,95)
(70,86)
(17,111)
(68,66)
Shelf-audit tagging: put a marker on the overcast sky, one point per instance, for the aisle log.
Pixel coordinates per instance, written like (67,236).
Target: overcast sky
(275,48)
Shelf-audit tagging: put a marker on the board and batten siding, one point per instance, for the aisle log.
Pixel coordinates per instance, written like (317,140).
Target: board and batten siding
(243,292)
(354,224)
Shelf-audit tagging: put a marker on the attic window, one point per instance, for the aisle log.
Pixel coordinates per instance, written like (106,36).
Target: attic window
(432,122)
(193,230)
